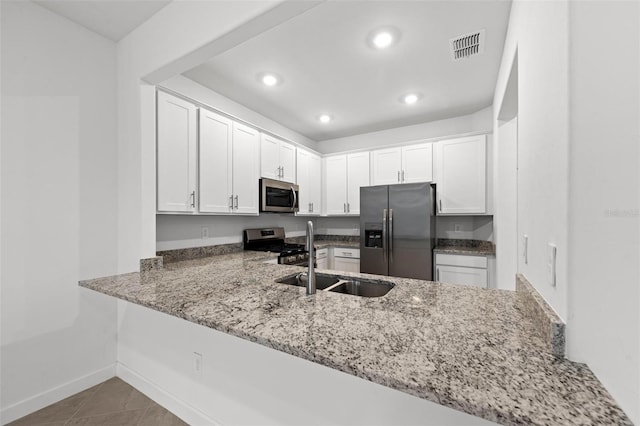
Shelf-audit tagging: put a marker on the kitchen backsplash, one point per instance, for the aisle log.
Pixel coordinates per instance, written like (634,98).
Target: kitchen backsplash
(182,231)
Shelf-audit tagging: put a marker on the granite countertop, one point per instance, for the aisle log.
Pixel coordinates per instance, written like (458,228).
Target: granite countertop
(472,349)
(467,247)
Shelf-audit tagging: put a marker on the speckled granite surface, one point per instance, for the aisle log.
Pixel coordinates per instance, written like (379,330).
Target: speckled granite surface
(471,349)
(549,325)
(472,247)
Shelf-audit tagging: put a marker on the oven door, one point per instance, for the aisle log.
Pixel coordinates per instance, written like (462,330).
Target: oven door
(278,197)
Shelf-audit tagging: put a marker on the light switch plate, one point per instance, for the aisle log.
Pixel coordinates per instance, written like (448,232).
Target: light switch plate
(551,264)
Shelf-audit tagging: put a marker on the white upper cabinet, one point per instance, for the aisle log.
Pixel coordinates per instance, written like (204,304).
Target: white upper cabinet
(310,182)
(406,164)
(345,174)
(176,154)
(417,163)
(357,176)
(387,166)
(460,175)
(278,159)
(246,165)
(215,176)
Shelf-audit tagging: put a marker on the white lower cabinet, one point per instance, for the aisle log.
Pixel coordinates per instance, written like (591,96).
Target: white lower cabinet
(322,258)
(346,259)
(462,269)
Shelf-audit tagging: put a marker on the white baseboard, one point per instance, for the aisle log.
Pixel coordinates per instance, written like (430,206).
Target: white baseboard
(186,412)
(43,399)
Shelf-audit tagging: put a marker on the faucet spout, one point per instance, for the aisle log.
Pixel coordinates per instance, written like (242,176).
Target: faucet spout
(311,273)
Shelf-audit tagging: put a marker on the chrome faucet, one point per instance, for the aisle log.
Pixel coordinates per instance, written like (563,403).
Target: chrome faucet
(311,273)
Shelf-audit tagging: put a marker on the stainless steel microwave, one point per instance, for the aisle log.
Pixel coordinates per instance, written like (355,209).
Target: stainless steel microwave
(278,197)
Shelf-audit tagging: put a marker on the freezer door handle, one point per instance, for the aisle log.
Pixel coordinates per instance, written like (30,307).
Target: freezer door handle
(390,235)
(384,234)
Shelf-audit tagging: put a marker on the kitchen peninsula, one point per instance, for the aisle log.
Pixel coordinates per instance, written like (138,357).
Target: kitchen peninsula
(478,351)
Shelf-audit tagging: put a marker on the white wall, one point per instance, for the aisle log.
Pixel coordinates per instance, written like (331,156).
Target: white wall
(480,121)
(242,382)
(578,183)
(604,196)
(58,207)
(181,231)
(539,32)
(198,92)
(469,227)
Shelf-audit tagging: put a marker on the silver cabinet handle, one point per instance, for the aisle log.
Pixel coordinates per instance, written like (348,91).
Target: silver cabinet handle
(403,175)
(231,202)
(236,202)
(398,175)
(193,198)
(348,208)
(437,274)
(282,168)
(311,207)
(390,235)
(440,205)
(384,234)
(344,207)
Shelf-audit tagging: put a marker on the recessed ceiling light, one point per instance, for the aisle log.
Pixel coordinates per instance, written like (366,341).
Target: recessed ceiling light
(270,79)
(410,98)
(382,38)
(324,118)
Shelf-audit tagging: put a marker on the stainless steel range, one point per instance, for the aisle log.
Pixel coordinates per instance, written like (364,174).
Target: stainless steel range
(272,239)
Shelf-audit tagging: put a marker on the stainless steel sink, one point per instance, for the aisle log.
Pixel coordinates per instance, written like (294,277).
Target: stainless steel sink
(322,281)
(363,288)
(344,285)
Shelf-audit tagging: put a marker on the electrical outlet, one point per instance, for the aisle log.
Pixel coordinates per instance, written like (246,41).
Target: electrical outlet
(551,264)
(525,248)
(205,232)
(197,363)
(457,227)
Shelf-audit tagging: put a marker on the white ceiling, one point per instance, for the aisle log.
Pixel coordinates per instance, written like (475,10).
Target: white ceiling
(113,19)
(327,66)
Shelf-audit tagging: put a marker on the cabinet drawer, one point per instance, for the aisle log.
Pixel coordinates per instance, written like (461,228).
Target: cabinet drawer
(476,277)
(322,253)
(347,265)
(461,260)
(346,252)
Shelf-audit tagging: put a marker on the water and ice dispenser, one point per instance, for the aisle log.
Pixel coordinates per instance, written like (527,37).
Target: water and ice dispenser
(373,235)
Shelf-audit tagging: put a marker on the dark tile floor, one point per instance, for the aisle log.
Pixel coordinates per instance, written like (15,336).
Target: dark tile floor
(113,402)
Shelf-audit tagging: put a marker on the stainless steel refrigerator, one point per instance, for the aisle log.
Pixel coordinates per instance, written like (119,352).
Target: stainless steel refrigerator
(397,230)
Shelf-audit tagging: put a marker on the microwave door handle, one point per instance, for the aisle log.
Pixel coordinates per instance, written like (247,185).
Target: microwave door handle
(295,198)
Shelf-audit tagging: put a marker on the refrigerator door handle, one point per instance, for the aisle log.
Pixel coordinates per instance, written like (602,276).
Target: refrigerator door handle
(390,235)
(384,234)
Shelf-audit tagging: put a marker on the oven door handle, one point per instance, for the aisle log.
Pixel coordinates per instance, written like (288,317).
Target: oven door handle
(295,198)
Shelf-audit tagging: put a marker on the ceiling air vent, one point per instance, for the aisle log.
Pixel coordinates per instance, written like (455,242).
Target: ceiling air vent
(467,45)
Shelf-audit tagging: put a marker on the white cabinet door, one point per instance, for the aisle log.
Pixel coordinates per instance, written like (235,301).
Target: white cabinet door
(287,162)
(315,183)
(417,163)
(215,176)
(246,166)
(176,154)
(460,174)
(460,275)
(357,176)
(347,265)
(387,166)
(269,157)
(277,159)
(308,178)
(336,184)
